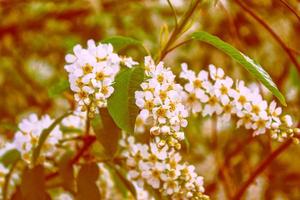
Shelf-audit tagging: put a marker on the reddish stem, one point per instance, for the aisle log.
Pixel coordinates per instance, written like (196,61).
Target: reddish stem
(88,141)
(261,167)
(271,31)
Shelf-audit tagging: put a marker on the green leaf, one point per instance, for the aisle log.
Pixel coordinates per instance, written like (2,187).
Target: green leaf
(120,176)
(121,104)
(254,68)
(107,132)
(86,182)
(294,76)
(10,157)
(58,88)
(44,135)
(33,184)
(120,42)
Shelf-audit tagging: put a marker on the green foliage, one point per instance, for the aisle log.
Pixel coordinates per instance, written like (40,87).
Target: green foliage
(86,182)
(121,104)
(58,88)
(107,132)
(294,76)
(10,157)
(33,184)
(120,42)
(254,68)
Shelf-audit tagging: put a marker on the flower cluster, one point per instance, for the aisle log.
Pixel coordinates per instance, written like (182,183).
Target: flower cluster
(161,103)
(210,92)
(27,138)
(162,169)
(92,72)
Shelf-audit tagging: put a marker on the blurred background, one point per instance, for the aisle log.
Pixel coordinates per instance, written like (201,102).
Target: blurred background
(36,35)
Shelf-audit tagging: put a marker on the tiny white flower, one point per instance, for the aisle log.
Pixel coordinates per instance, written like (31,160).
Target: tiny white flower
(215,73)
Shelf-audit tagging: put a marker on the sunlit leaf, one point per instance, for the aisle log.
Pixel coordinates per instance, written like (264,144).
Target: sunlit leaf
(10,157)
(86,182)
(254,68)
(294,76)
(33,184)
(121,105)
(120,42)
(164,35)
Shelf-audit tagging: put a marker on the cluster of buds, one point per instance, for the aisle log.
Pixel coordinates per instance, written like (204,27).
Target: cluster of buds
(92,72)
(162,169)
(160,102)
(211,92)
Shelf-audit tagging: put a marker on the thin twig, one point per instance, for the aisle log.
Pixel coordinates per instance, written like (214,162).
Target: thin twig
(290,8)
(178,30)
(261,167)
(178,45)
(88,141)
(7,180)
(174,13)
(239,147)
(88,121)
(271,31)
(294,51)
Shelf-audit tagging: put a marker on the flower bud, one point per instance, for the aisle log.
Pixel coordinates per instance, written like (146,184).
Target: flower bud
(177,146)
(179,135)
(155,130)
(161,143)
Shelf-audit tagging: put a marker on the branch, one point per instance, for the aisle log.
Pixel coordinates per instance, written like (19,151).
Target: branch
(178,45)
(271,31)
(261,167)
(177,30)
(88,141)
(290,8)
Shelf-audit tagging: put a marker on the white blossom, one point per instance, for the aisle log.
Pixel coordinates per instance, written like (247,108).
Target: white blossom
(161,103)
(220,96)
(30,130)
(92,72)
(163,170)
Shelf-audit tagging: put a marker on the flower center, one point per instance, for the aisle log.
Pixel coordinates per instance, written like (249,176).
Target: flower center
(224,90)
(161,112)
(197,83)
(87,69)
(242,99)
(255,109)
(213,100)
(191,98)
(100,76)
(160,78)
